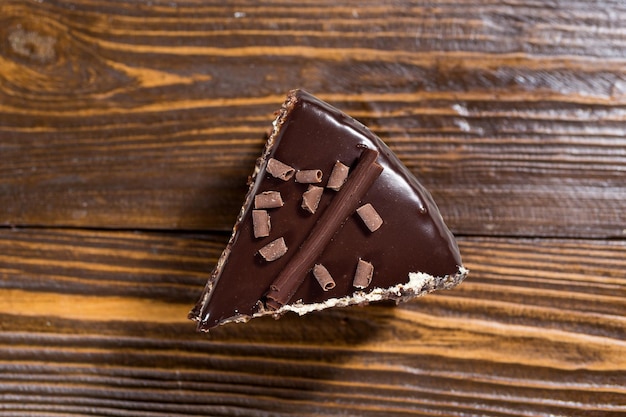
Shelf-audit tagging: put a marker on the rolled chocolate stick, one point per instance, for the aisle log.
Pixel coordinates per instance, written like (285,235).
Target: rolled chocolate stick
(343,205)
(370,217)
(338,176)
(311,198)
(363,275)
(268,199)
(309,176)
(273,250)
(323,277)
(261,223)
(280,170)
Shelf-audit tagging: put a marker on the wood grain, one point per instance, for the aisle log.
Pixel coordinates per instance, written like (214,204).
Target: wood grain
(116,115)
(539,329)
(128,130)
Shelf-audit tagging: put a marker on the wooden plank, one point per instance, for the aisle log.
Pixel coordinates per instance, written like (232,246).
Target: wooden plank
(94,323)
(120,115)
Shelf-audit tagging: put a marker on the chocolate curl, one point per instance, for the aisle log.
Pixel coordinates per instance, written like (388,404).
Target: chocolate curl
(363,275)
(280,170)
(338,176)
(341,207)
(273,250)
(268,199)
(370,217)
(309,176)
(323,277)
(261,223)
(311,198)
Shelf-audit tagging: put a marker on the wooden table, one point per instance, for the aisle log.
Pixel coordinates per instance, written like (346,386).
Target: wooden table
(127,132)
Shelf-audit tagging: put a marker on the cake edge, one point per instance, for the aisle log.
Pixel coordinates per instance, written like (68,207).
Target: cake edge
(197,311)
(419,284)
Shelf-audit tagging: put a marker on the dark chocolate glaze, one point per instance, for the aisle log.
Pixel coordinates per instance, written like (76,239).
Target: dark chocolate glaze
(412,238)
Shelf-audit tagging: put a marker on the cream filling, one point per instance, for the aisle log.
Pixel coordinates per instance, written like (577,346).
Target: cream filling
(419,283)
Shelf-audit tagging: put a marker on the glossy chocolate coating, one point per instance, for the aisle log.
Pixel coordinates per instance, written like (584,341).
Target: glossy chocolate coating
(413,236)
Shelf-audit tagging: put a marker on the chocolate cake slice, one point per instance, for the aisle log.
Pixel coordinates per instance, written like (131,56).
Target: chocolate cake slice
(332,218)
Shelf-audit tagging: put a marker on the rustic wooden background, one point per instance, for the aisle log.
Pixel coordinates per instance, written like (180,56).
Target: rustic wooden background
(127,131)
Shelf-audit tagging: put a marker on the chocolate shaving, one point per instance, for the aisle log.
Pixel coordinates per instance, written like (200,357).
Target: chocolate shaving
(370,217)
(309,176)
(338,176)
(293,274)
(311,198)
(323,277)
(280,170)
(261,223)
(363,275)
(268,199)
(273,250)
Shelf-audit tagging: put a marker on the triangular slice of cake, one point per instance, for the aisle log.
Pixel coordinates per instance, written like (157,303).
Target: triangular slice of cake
(332,218)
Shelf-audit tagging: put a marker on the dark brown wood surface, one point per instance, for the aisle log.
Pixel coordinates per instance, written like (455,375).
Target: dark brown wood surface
(128,130)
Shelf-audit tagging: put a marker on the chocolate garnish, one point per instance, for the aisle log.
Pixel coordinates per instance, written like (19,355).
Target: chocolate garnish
(309,176)
(280,170)
(273,250)
(311,198)
(323,277)
(293,274)
(338,176)
(261,223)
(363,275)
(370,217)
(268,199)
